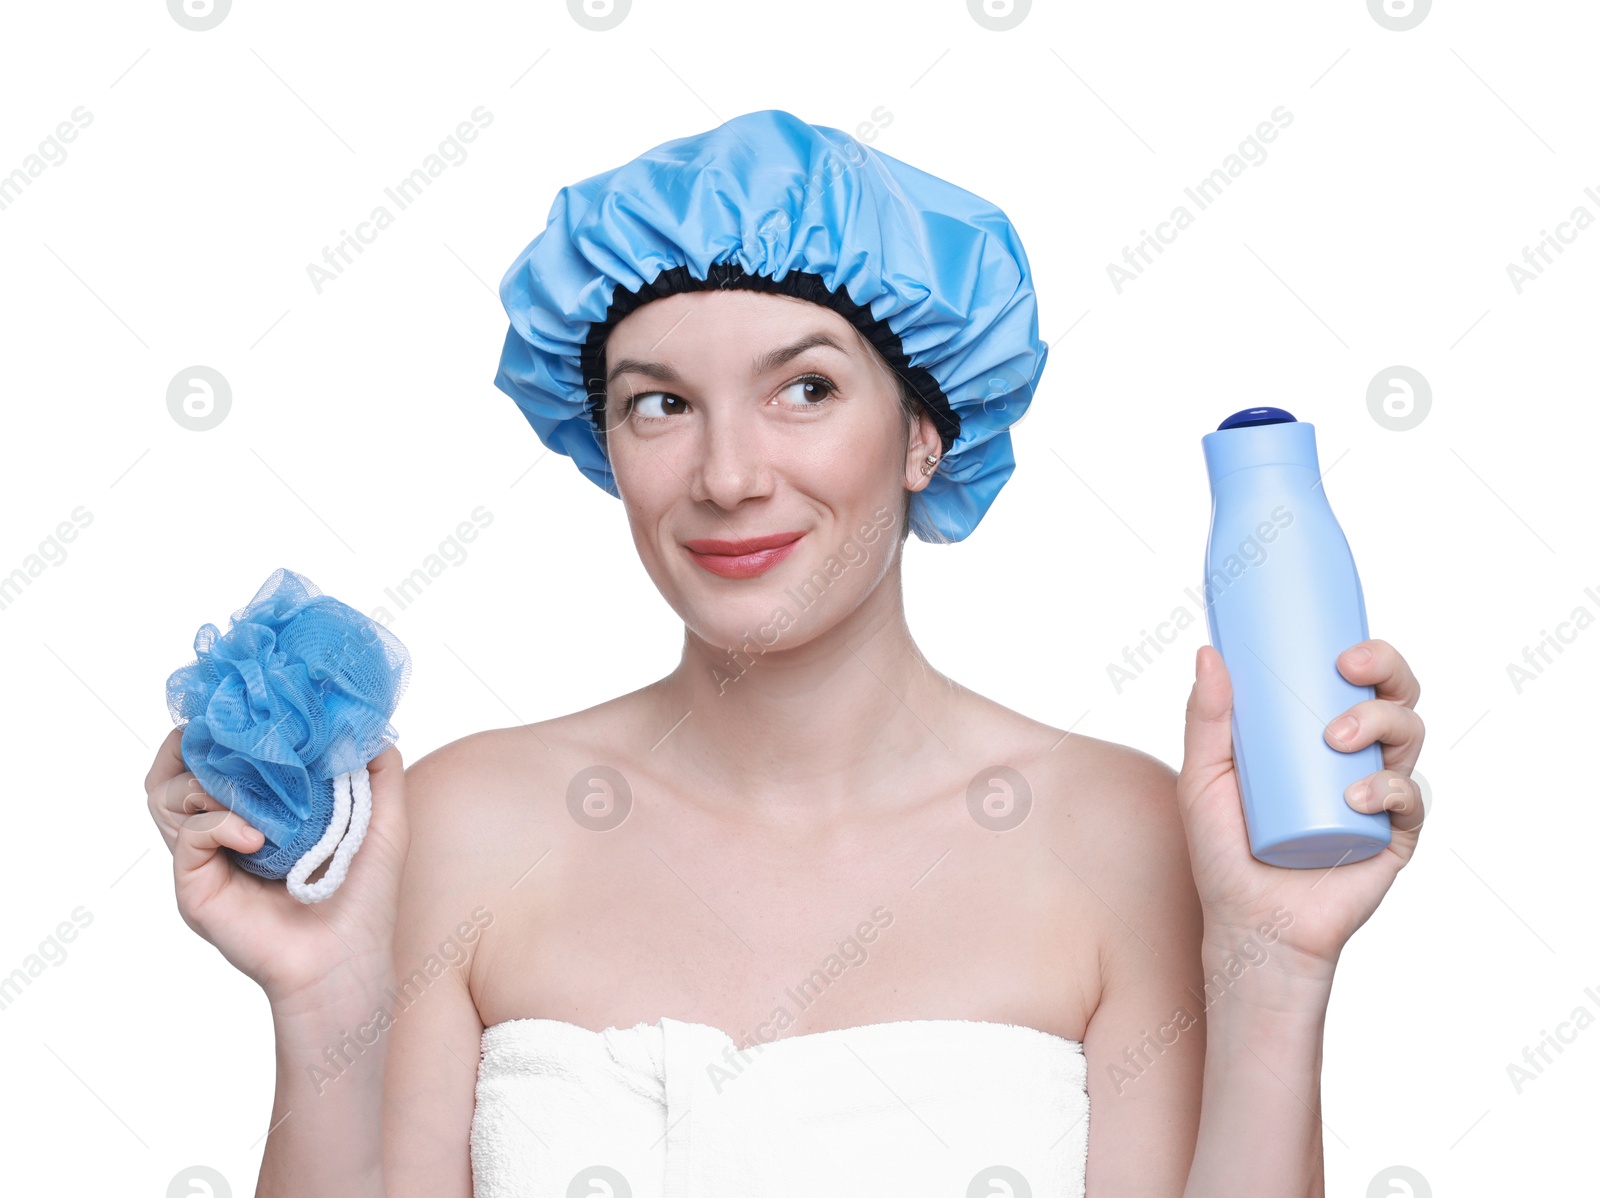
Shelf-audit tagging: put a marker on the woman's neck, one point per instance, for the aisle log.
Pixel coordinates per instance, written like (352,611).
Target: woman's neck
(826,725)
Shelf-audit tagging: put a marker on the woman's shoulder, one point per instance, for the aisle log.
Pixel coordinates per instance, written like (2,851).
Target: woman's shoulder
(483,809)
(511,764)
(513,748)
(1064,752)
(1108,837)
(1106,794)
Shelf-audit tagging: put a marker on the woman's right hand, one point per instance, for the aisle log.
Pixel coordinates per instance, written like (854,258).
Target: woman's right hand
(300,954)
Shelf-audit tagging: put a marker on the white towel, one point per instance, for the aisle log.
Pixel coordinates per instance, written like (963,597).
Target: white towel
(675,1110)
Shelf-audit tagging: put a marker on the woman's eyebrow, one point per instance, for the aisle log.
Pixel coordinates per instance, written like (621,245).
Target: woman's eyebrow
(762,363)
(773,359)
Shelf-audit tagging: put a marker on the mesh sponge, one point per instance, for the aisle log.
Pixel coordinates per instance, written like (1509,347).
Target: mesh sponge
(275,711)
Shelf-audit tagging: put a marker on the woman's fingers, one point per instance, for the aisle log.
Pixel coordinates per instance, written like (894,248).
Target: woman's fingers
(1399,728)
(1378,663)
(1391,791)
(168,763)
(184,796)
(202,834)
(1389,719)
(193,823)
(172,792)
(175,800)
(1208,727)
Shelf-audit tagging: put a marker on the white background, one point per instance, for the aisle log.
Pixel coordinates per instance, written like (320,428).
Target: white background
(364,427)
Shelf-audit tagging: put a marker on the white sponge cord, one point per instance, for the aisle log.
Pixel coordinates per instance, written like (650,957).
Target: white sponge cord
(352,806)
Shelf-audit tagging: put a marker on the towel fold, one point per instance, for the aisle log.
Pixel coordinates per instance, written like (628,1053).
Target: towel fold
(677,1110)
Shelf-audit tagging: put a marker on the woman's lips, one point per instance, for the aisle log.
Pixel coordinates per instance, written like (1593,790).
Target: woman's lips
(743,559)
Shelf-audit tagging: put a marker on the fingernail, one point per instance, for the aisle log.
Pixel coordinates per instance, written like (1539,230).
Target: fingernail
(1358,793)
(1361,656)
(1344,727)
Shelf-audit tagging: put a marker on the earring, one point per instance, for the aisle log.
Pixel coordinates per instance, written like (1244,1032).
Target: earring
(929,463)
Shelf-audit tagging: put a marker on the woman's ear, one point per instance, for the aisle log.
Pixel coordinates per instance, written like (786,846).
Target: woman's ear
(924,443)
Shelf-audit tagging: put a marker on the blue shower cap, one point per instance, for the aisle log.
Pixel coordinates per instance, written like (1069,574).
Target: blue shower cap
(294,697)
(932,275)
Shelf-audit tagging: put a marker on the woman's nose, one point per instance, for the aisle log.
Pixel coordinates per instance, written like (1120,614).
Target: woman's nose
(730,463)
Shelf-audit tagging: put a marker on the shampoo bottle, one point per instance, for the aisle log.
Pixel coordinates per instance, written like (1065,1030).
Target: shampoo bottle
(1283,600)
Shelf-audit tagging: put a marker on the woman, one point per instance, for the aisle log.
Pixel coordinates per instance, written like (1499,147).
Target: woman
(805,915)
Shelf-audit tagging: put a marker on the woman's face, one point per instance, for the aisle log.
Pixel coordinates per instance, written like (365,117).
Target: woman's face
(737,416)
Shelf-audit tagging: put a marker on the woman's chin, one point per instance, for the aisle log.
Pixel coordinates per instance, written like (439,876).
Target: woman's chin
(764,619)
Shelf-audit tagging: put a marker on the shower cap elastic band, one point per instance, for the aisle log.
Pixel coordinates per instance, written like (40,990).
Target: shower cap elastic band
(281,715)
(935,277)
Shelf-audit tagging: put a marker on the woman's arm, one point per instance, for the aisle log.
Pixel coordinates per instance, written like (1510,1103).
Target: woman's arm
(1205,1051)
(377,1066)
(320,965)
(326,1137)
(1261,1105)
(1273,936)
(436,1037)
(1204,1063)
(1146,1040)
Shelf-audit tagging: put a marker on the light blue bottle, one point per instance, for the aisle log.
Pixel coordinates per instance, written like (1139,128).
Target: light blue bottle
(1283,600)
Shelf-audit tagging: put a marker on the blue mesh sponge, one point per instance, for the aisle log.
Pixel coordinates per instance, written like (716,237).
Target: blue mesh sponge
(296,693)
(934,276)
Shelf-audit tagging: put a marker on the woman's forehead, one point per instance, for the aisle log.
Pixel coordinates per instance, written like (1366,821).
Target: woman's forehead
(708,313)
(764,335)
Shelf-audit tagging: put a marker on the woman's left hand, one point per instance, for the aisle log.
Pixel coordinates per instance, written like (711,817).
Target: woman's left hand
(1241,895)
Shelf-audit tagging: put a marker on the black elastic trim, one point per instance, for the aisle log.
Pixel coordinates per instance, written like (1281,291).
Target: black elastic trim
(797,283)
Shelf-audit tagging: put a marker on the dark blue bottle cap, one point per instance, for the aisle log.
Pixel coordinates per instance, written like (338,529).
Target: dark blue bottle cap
(1256,416)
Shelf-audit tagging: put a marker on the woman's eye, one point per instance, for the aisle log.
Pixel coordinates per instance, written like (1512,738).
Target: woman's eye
(810,392)
(652,405)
